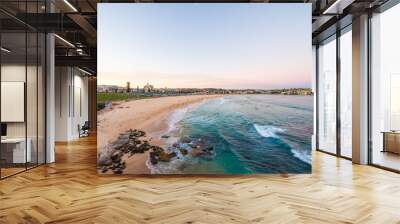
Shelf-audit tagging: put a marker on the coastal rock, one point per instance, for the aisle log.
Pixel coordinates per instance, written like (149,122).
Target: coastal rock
(183,151)
(115,166)
(141,148)
(104,160)
(207,148)
(104,169)
(120,142)
(166,157)
(201,145)
(153,158)
(197,152)
(124,136)
(186,140)
(130,143)
(159,154)
(116,157)
(157,150)
(123,165)
(136,133)
(118,171)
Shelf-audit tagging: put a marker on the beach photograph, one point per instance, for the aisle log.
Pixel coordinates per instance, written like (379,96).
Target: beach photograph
(209,93)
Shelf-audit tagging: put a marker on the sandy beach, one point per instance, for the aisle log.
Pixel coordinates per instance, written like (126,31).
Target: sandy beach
(149,115)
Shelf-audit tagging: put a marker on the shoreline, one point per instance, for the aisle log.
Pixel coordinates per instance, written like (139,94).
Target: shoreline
(150,115)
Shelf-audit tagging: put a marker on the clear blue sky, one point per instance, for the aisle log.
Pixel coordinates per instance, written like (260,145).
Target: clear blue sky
(259,46)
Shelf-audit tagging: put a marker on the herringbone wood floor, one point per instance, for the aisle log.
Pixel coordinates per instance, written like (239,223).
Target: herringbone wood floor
(70,191)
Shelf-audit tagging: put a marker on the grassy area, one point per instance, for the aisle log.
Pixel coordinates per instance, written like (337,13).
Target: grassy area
(105,97)
(102,98)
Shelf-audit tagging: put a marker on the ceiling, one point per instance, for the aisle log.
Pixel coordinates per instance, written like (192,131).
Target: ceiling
(75,21)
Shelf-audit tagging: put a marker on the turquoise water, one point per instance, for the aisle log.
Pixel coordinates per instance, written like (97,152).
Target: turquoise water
(252,134)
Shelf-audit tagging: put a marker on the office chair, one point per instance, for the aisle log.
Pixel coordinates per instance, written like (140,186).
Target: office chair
(84,130)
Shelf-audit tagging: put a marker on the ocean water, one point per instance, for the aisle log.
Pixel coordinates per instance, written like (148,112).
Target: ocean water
(249,133)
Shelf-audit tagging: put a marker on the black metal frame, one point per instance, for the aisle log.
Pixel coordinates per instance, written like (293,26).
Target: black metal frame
(369,100)
(338,98)
(0,89)
(337,35)
(316,97)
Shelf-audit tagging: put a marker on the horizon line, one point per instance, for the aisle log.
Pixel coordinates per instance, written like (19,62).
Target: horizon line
(208,87)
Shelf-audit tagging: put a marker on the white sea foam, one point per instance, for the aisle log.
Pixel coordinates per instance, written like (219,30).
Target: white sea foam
(268,131)
(179,114)
(174,166)
(303,156)
(176,117)
(222,100)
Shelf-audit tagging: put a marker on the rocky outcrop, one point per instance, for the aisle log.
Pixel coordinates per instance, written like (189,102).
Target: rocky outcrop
(130,142)
(197,152)
(159,154)
(134,141)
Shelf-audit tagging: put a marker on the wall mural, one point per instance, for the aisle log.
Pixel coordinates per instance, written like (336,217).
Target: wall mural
(204,88)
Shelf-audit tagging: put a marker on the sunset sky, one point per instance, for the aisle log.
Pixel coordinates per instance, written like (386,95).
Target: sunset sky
(235,46)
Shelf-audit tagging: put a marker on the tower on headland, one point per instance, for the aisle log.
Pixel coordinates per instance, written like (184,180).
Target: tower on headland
(128,87)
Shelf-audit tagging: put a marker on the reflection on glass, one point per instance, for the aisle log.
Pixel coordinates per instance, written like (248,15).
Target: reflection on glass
(394,102)
(346,94)
(327,96)
(386,89)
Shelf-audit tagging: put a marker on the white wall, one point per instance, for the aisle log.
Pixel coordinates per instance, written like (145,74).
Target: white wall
(62,82)
(12,73)
(71,103)
(79,110)
(33,126)
(9,73)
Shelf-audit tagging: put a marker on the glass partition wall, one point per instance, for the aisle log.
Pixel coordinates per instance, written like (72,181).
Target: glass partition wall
(345,62)
(334,116)
(327,95)
(22,98)
(385,89)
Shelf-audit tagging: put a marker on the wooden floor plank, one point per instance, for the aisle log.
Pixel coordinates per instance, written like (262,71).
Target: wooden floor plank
(71,191)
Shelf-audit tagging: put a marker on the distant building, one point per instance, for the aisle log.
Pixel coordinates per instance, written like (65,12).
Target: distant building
(107,89)
(121,89)
(148,88)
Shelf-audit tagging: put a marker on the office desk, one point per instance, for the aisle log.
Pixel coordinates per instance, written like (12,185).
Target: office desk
(391,141)
(13,150)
